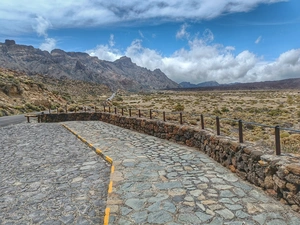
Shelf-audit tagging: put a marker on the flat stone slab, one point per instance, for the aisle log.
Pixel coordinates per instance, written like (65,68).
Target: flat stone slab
(48,176)
(160,182)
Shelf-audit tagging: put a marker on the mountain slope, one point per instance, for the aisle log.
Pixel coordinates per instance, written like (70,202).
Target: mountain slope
(121,74)
(203,84)
(292,83)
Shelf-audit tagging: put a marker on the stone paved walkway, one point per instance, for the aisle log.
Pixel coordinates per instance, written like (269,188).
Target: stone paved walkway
(49,177)
(159,182)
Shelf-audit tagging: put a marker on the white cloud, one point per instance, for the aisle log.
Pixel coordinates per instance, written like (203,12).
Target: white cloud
(106,52)
(48,45)
(111,40)
(41,27)
(204,61)
(182,33)
(141,34)
(258,40)
(70,13)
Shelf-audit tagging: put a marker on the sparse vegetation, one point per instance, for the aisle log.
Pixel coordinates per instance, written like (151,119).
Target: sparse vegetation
(262,107)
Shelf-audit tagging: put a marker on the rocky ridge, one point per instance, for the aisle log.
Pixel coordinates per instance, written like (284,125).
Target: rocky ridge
(120,74)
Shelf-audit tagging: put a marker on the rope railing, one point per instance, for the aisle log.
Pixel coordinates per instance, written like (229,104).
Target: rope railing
(149,113)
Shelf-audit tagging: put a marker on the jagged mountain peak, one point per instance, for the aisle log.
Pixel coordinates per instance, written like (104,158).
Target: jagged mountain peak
(120,74)
(124,60)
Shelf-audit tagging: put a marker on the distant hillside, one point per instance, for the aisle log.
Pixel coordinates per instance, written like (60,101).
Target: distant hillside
(120,74)
(293,83)
(20,93)
(203,84)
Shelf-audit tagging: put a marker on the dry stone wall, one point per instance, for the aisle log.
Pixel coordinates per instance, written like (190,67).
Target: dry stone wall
(278,175)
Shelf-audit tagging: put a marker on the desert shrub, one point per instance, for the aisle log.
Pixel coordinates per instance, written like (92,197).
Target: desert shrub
(72,108)
(66,96)
(179,107)
(119,99)
(193,122)
(31,107)
(284,134)
(217,111)
(225,109)
(55,92)
(275,112)
(289,100)
(239,109)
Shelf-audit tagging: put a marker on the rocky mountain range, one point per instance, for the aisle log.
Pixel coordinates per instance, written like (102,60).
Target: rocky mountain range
(120,74)
(203,84)
(292,83)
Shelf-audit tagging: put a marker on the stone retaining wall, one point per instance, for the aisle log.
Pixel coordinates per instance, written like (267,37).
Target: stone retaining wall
(278,175)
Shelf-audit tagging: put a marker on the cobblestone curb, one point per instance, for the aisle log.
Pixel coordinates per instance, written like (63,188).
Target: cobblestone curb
(107,159)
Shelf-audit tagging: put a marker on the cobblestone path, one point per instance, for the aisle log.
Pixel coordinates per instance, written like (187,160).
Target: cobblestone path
(160,182)
(49,177)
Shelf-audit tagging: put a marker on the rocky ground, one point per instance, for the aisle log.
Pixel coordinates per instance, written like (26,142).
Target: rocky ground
(49,177)
(160,182)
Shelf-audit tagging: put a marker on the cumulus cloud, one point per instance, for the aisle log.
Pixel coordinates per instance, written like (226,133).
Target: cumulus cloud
(41,26)
(106,52)
(69,13)
(205,61)
(48,45)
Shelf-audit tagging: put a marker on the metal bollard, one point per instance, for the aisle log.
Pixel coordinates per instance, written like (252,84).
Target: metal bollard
(181,118)
(218,125)
(241,138)
(202,121)
(277,140)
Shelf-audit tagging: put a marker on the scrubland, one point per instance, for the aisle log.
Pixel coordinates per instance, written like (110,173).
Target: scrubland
(268,108)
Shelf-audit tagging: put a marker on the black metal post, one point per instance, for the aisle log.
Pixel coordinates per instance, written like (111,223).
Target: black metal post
(241,138)
(181,118)
(129,112)
(115,110)
(109,109)
(202,121)
(164,116)
(277,140)
(139,113)
(150,114)
(218,125)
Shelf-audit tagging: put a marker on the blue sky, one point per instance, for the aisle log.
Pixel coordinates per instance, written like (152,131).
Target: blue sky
(195,41)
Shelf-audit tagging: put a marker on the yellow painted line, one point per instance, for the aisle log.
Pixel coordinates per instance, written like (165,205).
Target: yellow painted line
(106,217)
(108,159)
(110,187)
(90,145)
(112,169)
(98,151)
